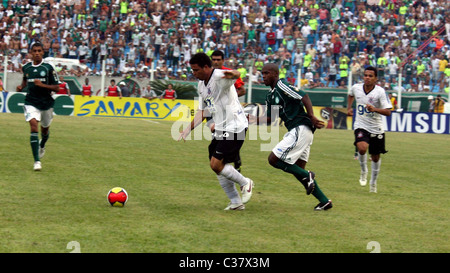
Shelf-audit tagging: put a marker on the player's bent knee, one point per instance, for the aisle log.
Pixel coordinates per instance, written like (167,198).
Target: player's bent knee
(362,147)
(273,159)
(216,165)
(34,126)
(375,158)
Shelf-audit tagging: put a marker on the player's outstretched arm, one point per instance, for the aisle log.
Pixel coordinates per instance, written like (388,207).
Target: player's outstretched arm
(231,74)
(309,110)
(21,86)
(350,100)
(385,112)
(52,87)
(198,119)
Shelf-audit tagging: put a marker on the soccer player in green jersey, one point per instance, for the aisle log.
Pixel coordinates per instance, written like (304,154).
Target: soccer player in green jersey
(39,80)
(292,153)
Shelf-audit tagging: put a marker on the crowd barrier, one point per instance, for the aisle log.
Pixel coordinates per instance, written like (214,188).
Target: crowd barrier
(76,105)
(138,108)
(184,110)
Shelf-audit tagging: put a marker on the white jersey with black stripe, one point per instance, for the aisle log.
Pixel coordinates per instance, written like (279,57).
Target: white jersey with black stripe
(369,121)
(219,98)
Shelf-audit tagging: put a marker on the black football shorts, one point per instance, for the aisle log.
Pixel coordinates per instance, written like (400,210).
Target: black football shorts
(376,141)
(226,146)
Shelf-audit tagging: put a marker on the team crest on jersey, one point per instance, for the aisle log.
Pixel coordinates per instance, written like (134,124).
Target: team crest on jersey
(209,91)
(42,73)
(276,99)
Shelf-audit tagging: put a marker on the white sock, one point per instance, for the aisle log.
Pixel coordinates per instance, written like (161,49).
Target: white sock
(229,188)
(375,170)
(363,162)
(233,175)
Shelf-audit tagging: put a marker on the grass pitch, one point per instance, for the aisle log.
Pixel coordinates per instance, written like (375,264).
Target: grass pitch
(176,203)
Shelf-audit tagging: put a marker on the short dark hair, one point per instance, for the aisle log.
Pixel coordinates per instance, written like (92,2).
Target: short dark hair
(35,44)
(371,68)
(201,59)
(218,53)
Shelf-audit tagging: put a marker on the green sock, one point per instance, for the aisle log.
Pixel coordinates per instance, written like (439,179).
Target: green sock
(44,139)
(300,173)
(292,169)
(318,193)
(34,141)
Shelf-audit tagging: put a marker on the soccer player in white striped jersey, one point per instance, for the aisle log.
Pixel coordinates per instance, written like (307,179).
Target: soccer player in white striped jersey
(218,98)
(371,102)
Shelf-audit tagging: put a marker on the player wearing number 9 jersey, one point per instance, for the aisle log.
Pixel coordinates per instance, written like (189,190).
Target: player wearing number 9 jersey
(371,102)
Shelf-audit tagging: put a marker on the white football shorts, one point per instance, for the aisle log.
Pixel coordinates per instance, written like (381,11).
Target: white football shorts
(295,145)
(44,117)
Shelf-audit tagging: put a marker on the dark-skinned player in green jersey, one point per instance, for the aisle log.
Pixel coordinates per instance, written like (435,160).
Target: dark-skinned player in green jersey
(292,152)
(39,80)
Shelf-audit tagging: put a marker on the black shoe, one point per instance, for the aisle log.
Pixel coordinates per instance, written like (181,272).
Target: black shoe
(308,182)
(324,206)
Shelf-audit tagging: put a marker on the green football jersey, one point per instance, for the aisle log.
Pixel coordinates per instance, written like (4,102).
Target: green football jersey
(287,99)
(38,97)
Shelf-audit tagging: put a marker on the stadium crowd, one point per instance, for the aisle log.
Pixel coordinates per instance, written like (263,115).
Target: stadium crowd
(327,40)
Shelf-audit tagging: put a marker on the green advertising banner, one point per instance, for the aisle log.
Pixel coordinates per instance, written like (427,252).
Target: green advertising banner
(12,102)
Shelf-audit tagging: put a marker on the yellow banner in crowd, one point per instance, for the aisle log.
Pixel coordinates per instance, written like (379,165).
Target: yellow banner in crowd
(140,108)
(181,110)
